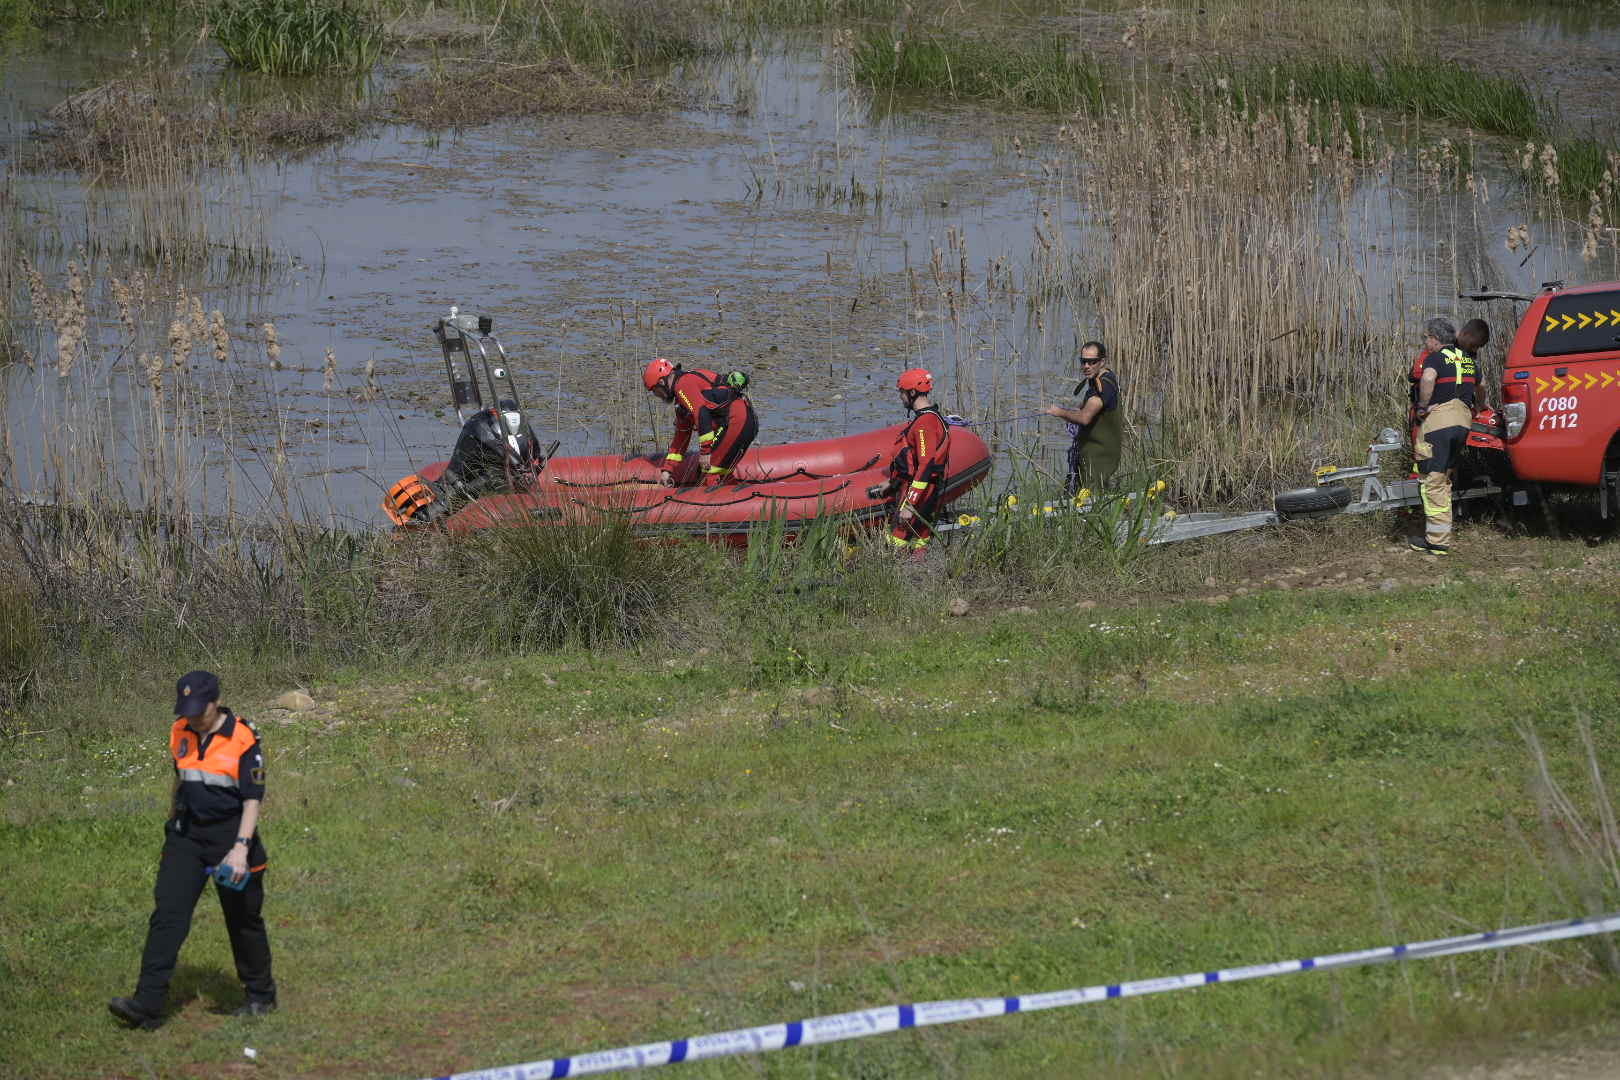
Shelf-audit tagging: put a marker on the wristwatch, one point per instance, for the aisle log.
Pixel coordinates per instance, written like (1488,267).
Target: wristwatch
(244,840)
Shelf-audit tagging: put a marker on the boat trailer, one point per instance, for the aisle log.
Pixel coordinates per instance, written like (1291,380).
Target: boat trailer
(1331,496)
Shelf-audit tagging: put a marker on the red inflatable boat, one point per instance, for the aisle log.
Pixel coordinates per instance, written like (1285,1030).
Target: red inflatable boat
(783,487)
(498,475)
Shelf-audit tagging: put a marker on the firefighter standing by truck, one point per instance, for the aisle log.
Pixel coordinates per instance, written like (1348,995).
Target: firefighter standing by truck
(923,450)
(716,407)
(1444,399)
(212,831)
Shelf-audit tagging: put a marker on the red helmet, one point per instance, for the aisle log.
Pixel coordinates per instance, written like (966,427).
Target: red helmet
(917,379)
(656,370)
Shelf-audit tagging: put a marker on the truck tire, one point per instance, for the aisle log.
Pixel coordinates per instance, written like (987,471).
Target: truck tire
(1311,501)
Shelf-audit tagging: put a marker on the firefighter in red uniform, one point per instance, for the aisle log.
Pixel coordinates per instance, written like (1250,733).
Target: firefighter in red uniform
(219,786)
(923,452)
(715,406)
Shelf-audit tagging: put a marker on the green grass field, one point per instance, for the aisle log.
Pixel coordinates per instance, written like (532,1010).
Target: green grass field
(508,859)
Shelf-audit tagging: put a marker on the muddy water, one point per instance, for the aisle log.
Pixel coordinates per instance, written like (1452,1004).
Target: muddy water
(786,229)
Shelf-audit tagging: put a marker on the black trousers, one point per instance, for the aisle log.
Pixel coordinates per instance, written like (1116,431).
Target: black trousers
(182,873)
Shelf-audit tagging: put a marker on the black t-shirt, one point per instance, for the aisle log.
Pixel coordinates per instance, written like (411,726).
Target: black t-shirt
(1456,375)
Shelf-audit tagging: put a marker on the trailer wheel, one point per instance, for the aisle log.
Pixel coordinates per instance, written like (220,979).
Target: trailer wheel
(1311,501)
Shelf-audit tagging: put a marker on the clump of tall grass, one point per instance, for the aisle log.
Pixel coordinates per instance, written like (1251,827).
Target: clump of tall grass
(296,37)
(1039,538)
(627,36)
(1045,76)
(19,24)
(591,582)
(1573,168)
(1438,91)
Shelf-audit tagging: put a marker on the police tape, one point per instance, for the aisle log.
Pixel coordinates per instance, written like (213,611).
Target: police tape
(880,1021)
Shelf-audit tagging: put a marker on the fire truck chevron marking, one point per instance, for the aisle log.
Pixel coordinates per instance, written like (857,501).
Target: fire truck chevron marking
(1599,319)
(1569,321)
(1584,319)
(1552,323)
(1541,386)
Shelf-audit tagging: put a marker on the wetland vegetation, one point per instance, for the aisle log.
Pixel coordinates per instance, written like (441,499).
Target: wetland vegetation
(1253,204)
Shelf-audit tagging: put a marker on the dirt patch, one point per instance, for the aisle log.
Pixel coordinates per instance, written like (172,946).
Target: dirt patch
(1586,1063)
(293,127)
(438,27)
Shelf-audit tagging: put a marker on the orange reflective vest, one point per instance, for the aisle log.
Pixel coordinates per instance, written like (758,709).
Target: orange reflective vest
(217,772)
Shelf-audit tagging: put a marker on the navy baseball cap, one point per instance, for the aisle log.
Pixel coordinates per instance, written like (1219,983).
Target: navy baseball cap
(194,692)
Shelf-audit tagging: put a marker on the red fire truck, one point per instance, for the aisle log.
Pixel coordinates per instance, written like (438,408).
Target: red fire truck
(1559,421)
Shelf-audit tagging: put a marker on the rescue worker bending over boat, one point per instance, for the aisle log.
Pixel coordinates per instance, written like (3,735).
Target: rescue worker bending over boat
(1445,404)
(922,455)
(715,406)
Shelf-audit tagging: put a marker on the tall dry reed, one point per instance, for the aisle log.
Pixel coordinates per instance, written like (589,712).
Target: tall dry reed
(1223,264)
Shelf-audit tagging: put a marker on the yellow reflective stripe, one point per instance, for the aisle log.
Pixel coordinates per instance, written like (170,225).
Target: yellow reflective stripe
(710,437)
(922,445)
(672,457)
(685,401)
(897,542)
(712,469)
(918,485)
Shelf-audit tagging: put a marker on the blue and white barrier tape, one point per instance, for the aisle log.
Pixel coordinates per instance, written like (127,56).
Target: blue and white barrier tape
(857,1025)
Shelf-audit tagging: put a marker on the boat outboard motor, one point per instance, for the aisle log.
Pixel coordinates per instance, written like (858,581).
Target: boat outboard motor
(495,451)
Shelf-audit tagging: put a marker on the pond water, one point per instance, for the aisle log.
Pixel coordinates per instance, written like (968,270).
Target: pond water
(784,230)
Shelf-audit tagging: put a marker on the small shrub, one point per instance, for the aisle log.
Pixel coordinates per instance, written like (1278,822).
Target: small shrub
(296,37)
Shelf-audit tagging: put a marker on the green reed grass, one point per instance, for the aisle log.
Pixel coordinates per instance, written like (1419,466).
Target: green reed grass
(1045,76)
(1437,90)
(1583,162)
(296,37)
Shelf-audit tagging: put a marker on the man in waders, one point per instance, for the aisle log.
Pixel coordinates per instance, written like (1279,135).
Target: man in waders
(1445,408)
(1095,424)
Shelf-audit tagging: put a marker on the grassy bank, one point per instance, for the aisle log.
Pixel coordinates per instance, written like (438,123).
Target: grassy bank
(485,861)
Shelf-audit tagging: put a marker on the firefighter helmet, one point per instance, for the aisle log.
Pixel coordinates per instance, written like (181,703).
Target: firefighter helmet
(917,379)
(656,370)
